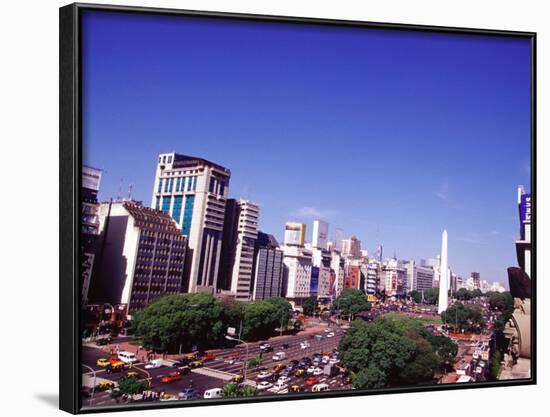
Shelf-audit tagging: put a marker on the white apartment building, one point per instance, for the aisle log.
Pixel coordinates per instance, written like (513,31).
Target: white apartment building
(193,192)
(247,233)
(298,263)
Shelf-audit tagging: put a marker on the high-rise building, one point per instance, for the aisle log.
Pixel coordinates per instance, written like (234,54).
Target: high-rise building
(297,272)
(140,256)
(523,245)
(320,234)
(268,268)
(321,259)
(395,277)
(337,276)
(373,268)
(193,192)
(91,178)
(237,254)
(295,234)
(419,276)
(476,280)
(351,247)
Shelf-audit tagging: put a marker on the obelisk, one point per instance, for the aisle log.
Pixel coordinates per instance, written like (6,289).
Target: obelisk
(443,276)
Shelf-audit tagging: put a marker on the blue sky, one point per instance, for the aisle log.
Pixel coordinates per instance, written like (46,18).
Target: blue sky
(388,135)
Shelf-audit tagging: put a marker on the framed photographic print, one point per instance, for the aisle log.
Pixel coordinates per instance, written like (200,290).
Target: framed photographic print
(259,208)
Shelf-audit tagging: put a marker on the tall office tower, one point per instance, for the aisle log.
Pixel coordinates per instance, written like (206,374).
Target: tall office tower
(444,276)
(523,245)
(351,247)
(476,280)
(268,268)
(297,275)
(91,178)
(337,241)
(295,234)
(337,268)
(320,234)
(372,283)
(321,259)
(237,253)
(419,276)
(140,257)
(193,192)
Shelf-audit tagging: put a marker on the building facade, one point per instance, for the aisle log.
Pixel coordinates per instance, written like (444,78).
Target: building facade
(297,272)
(89,222)
(193,192)
(295,234)
(351,247)
(141,256)
(239,240)
(268,268)
(320,234)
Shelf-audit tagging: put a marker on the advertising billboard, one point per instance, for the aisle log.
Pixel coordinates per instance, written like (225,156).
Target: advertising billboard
(91,177)
(295,234)
(320,234)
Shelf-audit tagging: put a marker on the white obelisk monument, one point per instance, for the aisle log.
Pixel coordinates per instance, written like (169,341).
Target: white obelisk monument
(443,276)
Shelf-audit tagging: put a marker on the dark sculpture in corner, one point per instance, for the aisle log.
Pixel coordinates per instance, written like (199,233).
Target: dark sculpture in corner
(518,328)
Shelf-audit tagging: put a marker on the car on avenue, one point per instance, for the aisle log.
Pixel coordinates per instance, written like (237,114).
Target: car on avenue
(102,362)
(262,386)
(172,377)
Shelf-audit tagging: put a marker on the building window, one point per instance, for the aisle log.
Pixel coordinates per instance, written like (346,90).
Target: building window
(176,211)
(188,215)
(166,204)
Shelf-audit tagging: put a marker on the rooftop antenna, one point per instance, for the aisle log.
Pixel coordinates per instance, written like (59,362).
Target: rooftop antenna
(130,188)
(118,197)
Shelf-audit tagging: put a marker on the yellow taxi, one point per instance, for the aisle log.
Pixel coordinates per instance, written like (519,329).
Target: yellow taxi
(296,388)
(103,362)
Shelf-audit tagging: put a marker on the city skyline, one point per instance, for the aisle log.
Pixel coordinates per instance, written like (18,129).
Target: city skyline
(295,140)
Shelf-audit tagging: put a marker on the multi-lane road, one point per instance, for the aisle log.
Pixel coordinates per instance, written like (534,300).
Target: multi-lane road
(215,373)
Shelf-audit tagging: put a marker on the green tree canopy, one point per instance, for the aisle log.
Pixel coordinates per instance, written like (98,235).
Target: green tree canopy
(351,302)
(181,320)
(444,348)
(259,320)
(131,386)
(463,317)
(431,295)
(283,309)
(309,305)
(233,390)
(388,352)
(502,302)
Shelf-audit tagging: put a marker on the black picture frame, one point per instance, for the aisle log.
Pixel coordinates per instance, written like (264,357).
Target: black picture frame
(69,203)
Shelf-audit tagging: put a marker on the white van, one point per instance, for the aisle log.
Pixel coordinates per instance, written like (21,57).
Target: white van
(279,356)
(213,393)
(320,388)
(127,357)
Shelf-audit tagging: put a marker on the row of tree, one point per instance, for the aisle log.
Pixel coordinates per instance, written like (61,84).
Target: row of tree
(431,295)
(185,321)
(394,351)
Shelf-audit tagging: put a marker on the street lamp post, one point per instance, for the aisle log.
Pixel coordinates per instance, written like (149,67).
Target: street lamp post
(95,379)
(246,355)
